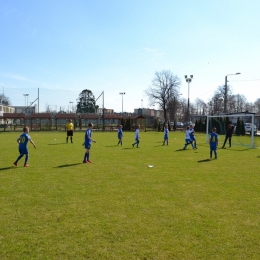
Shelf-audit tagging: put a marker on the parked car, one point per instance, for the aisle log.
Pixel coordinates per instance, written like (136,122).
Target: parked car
(189,123)
(178,124)
(248,128)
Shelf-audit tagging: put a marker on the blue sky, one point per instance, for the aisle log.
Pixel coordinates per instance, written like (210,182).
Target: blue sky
(63,47)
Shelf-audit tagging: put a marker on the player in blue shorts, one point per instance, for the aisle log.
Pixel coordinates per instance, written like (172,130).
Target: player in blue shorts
(87,143)
(166,134)
(213,142)
(137,137)
(192,137)
(187,138)
(120,135)
(23,149)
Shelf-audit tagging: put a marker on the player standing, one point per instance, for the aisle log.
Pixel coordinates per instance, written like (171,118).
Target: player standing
(70,129)
(23,149)
(137,137)
(166,134)
(87,143)
(120,134)
(229,134)
(213,142)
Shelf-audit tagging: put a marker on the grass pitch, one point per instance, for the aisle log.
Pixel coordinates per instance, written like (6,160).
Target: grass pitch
(185,207)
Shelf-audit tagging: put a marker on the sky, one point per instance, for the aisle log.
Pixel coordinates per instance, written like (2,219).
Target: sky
(62,47)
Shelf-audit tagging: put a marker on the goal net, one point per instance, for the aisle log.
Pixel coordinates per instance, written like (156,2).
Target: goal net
(243,123)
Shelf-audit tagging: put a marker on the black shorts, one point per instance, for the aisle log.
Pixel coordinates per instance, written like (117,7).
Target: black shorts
(70,133)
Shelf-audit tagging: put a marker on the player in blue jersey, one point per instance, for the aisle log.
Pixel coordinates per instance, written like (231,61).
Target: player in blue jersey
(120,134)
(213,142)
(166,134)
(187,138)
(192,137)
(23,149)
(137,137)
(87,143)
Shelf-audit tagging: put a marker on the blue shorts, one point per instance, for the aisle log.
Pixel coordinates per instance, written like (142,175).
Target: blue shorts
(137,139)
(165,137)
(88,146)
(188,141)
(213,147)
(23,150)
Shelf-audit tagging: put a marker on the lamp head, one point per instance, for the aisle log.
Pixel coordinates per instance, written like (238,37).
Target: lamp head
(185,76)
(238,73)
(191,76)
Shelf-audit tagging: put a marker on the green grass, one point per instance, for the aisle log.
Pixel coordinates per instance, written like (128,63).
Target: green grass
(185,207)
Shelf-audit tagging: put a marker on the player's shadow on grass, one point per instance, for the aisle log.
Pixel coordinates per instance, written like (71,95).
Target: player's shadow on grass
(258,156)
(126,148)
(179,150)
(7,168)
(205,160)
(67,165)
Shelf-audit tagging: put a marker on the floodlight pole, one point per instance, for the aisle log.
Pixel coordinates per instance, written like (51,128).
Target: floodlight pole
(122,93)
(188,80)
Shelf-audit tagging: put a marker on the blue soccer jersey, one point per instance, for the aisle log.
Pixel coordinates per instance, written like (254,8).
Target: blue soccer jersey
(120,133)
(213,137)
(23,140)
(192,132)
(166,133)
(137,134)
(88,138)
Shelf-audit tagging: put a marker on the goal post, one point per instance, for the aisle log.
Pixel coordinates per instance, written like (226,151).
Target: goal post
(232,118)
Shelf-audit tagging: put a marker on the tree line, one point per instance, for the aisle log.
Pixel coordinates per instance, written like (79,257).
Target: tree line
(164,91)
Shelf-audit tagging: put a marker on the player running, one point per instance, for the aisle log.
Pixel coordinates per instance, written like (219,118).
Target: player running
(192,136)
(187,138)
(137,137)
(23,149)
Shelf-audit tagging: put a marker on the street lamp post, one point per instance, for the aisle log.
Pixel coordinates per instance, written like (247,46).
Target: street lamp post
(71,106)
(225,91)
(122,93)
(26,95)
(188,80)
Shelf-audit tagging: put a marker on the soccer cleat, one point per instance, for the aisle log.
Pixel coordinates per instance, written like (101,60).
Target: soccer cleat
(89,161)
(26,165)
(133,145)
(15,163)
(84,161)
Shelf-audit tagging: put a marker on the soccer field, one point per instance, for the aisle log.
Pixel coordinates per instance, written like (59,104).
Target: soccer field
(184,207)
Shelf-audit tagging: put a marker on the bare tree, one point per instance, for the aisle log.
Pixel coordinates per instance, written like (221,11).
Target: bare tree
(200,106)
(164,87)
(257,105)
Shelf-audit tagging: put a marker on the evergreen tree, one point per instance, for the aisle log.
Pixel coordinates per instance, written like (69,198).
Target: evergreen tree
(128,124)
(196,126)
(159,127)
(174,125)
(243,131)
(238,127)
(169,126)
(86,102)
(155,124)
